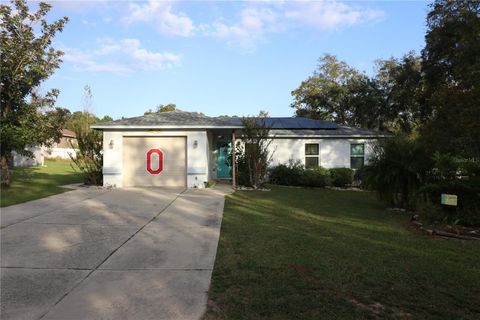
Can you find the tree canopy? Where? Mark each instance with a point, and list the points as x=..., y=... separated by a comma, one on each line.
x=340, y=93
x=27, y=115
x=162, y=108
x=434, y=96
x=451, y=66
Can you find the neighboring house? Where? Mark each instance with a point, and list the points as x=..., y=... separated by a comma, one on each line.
x=187, y=148
x=22, y=161
x=65, y=148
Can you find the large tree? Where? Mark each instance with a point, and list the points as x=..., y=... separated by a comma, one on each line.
x=322, y=95
x=27, y=117
x=401, y=84
x=388, y=100
x=451, y=64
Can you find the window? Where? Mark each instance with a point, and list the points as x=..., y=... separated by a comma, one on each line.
x=357, y=155
x=311, y=155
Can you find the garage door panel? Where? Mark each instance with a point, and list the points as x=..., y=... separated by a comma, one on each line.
x=135, y=171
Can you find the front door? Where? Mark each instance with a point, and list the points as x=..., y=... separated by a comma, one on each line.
x=223, y=168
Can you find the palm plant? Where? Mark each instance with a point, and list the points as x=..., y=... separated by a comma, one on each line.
x=397, y=170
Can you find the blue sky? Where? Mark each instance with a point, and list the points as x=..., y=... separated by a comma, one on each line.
x=219, y=57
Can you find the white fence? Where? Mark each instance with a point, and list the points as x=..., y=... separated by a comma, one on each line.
x=62, y=153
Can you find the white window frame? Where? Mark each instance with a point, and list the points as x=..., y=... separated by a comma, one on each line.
x=311, y=155
x=357, y=156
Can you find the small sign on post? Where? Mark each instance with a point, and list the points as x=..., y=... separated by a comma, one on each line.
x=449, y=199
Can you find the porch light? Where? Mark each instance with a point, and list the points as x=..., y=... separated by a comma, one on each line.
x=111, y=144
x=195, y=144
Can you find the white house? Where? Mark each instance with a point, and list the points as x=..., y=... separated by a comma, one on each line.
x=188, y=149
x=37, y=158
x=65, y=148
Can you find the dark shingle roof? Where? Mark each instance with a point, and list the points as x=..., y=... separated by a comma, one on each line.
x=169, y=119
x=341, y=131
x=287, y=127
x=290, y=123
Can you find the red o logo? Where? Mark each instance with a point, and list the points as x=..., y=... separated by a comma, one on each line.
x=149, y=161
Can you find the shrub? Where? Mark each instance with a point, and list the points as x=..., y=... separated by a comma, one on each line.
x=341, y=177
x=397, y=170
x=468, y=192
x=288, y=175
x=431, y=212
x=359, y=177
x=294, y=174
x=89, y=159
x=243, y=176
x=317, y=178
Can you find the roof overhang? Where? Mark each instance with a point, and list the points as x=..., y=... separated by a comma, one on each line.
x=319, y=136
x=129, y=127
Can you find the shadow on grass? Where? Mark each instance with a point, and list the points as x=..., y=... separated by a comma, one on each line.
x=318, y=250
x=38, y=182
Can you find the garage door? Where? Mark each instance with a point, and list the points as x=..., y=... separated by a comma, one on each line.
x=154, y=162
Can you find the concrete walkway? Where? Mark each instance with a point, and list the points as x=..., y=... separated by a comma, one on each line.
x=118, y=254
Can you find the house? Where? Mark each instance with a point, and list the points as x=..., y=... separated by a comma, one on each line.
x=188, y=149
x=65, y=148
x=37, y=158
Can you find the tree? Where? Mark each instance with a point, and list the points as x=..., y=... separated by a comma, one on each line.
x=388, y=101
x=402, y=87
x=322, y=96
x=27, y=117
x=451, y=64
x=163, y=108
x=89, y=156
x=84, y=119
x=254, y=151
x=79, y=119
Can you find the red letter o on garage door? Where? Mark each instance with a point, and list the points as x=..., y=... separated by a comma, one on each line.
x=149, y=161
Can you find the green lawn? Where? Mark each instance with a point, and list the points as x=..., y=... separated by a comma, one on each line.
x=39, y=182
x=323, y=254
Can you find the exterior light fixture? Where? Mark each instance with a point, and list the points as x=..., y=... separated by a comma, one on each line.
x=195, y=143
x=111, y=144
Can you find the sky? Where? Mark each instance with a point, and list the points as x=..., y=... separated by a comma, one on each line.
x=218, y=57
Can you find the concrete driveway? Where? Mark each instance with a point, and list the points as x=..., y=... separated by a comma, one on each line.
x=110, y=254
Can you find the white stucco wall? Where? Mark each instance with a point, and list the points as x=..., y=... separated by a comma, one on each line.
x=334, y=152
x=197, y=156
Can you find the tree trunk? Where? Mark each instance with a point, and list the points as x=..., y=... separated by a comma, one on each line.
x=5, y=180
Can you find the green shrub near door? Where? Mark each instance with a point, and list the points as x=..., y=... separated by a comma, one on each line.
x=341, y=177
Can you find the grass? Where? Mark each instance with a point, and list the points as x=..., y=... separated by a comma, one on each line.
x=39, y=182
x=324, y=254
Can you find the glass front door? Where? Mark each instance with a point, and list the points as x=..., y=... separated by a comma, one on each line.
x=223, y=167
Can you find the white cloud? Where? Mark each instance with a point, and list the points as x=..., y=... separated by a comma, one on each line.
x=255, y=20
x=328, y=15
x=258, y=19
x=251, y=28
x=163, y=17
x=122, y=56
